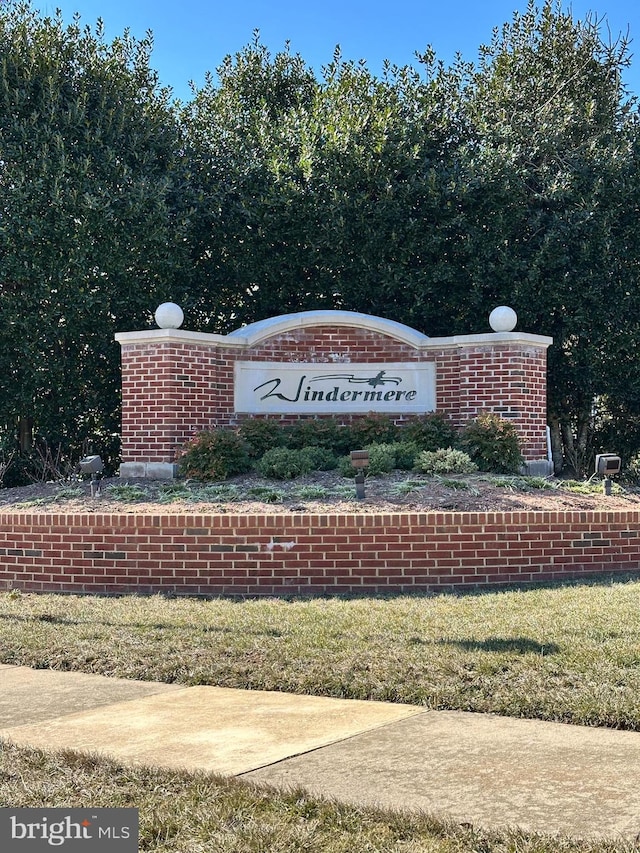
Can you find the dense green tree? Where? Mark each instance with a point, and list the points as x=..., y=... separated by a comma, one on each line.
x=433, y=196
x=547, y=193
x=89, y=220
x=429, y=196
x=329, y=192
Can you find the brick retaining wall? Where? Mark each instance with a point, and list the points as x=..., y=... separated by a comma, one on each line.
x=284, y=554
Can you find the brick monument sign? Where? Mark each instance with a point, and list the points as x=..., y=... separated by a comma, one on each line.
x=176, y=383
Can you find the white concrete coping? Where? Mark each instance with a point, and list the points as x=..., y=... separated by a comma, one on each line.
x=253, y=334
x=263, y=329
x=491, y=338
x=173, y=336
x=181, y=336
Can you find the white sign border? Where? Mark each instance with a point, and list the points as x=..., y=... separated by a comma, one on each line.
x=288, y=390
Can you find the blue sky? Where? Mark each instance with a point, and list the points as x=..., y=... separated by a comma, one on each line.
x=193, y=36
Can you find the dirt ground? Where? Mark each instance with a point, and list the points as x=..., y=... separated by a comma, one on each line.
x=322, y=492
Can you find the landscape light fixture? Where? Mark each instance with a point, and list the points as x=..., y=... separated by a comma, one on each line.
x=360, y=461
x=92, y=465
x=606, y=465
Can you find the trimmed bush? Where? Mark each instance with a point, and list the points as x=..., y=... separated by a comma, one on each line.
x=282, y=463
x=261, y=435
x=406, y=453
x=445, y=461
x=382, y=460
x=430, y=432
x=493, y=444
x=319, y=432
x=373, y=429
x=319, y=458
x=215, y=455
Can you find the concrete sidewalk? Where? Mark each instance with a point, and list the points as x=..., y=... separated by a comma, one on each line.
x=486, y=770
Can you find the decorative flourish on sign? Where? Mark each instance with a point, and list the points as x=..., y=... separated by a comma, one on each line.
x=374, y=381
x=276, y=384
x=379, y=379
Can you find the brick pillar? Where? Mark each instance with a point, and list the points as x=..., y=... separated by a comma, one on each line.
x=172, y=387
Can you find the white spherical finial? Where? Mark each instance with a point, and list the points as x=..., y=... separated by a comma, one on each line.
x=169, y=315
x=503, y=319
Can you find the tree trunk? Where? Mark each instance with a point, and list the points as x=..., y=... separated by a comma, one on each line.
x=25, y=434
x=556, y=445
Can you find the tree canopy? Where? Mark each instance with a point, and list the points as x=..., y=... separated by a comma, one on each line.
x=429, y=195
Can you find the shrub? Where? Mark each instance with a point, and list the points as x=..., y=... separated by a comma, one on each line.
x=430, y=432
x=445, y=461
x=319, y=432
x=382, y=460
x=319, y=458
x=282, y=463
x=215, y=455
x=261, y=435
x=493, y=444
x=373, y=429
x=632, y=474
x=406, y=453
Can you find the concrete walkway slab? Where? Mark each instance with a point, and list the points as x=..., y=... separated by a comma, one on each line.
x=34, y=695
x=491, y=771
x=213, y=729
x=486, y=770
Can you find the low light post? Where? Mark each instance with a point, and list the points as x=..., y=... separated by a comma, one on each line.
x=360, y=461
x=606, y=465
x=92, y=465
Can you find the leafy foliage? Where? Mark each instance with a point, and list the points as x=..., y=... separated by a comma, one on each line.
x=282, y=463
x=429, y=195
x=89, y=238
x=492, y=443
x=320, y=432
x=430, y=432
x=373, y=429
x=215, y=455
x=445, y=461
x=261, y=435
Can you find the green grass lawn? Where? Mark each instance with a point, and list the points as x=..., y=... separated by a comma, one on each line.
x=569, y=653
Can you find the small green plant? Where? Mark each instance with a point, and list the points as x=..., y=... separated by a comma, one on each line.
x=521, y=484
x=173, y=491
x=126, y=492
x=67, y=493
x=215, y=455
x=261, y=435
x=492, y=443
x=406, y=487
x=430, y=432
x=267, y=494
x=310, y=493
x=445, y=461
x=224, y=492
x=281, y=463
x=344, y=492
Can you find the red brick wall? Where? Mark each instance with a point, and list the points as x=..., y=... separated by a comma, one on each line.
x=295, y=554
x=171, y=390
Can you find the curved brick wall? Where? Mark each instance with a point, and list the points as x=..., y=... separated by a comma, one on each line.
x=297, y=554
x=176, y=383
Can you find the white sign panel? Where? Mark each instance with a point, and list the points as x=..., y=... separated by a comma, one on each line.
x=293, y=388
